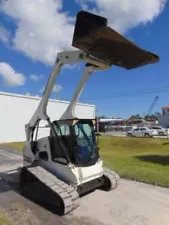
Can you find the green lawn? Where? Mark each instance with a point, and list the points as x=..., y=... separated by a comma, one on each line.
x=140, y=159
x=14, y=145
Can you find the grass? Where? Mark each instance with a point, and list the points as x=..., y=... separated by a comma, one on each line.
x=18, y=214
x=140, y=159
x=5, y=219
x=145, y=160
x=14, y=145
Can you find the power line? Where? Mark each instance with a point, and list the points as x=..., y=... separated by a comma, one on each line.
x=125, y=94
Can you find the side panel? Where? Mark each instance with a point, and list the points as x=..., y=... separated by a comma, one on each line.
x=28, y=156
x=61, y=171
x=85, y=174
x=76, y=176
x=42, y=145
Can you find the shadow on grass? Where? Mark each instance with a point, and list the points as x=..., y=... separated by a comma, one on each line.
x=166, y=143
x=158, y=159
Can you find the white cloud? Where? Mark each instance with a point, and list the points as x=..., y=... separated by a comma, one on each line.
x=37, y=96
x=36, y=77
x=4, y=34
x=42, y=90
x=10, y=76
x=56, y=88
x=28, y=94
x=43, y=28
x=126, y=14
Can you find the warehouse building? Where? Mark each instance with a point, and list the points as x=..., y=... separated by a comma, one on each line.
x=163, y=120
x=16, y=111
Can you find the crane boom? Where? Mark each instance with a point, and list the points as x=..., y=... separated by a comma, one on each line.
x=152, y=105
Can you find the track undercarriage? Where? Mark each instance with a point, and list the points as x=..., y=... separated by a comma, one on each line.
x=43, y=187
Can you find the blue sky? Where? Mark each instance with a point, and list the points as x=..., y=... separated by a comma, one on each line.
x=33, y=31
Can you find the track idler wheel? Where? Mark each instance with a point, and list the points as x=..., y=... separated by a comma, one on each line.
x=111, y=180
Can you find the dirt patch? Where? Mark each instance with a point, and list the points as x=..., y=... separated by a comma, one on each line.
x=17, y=210
x=17, y=215
x=22, y=211
x=5, y=219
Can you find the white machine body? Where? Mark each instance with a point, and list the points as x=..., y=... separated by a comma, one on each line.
x=68, y=173
x=71, y=152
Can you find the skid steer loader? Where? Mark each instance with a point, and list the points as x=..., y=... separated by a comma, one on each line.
x=64, y=166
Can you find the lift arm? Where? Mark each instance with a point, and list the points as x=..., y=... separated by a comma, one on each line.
x=40, y=113
x=62, y=59
x=70, y=111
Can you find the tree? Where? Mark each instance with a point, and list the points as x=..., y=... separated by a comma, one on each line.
x=152, y=116
x=136, y=117
x=103, y=117
x=157, y=114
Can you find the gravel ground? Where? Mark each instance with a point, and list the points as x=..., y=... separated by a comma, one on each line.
x=132, y=203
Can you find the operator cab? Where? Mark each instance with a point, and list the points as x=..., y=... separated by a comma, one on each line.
x=74, y=141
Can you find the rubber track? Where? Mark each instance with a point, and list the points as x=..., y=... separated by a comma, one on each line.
x=113, y=177
x=67, y=193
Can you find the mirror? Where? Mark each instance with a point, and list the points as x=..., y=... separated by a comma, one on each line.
x=43, y=155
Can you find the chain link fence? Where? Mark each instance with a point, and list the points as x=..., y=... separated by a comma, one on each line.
x=117, y=131
x=122, y=131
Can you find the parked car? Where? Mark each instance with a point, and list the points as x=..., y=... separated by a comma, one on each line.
x=161, y=131
x=142, y=132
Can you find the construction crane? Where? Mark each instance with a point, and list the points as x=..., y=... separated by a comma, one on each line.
x=151, y=107
x=132, y=117
x=62, y=167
